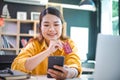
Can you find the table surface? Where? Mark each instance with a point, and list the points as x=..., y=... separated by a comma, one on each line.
x=44, y=77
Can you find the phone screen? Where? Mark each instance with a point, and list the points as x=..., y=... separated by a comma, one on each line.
x=55, y=60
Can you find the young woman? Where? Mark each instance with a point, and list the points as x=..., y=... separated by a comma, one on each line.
x=33, y=58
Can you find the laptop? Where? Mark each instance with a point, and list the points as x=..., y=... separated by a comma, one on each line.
x=107, y=65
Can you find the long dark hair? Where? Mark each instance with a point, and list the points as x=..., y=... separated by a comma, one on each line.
x=56, y=12
x=53, y=11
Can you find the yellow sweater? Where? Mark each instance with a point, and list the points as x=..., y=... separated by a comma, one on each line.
x=35, y=47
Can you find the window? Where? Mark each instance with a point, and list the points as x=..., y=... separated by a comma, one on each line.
x=115, y=17
x=81, y=40
x=109, y=17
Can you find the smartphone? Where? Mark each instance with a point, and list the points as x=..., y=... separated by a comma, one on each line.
x=55, y=60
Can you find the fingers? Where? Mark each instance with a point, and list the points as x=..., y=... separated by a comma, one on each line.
x=59, y=68
x=57, y=74
x=57, y=44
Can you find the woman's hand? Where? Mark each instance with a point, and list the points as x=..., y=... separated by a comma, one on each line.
x=54, y=45
x=58, y=75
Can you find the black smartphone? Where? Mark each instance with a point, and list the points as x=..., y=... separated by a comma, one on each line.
x=55, y=60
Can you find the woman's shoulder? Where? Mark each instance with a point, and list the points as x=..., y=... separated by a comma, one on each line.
x=33, y=41
x=69, y=40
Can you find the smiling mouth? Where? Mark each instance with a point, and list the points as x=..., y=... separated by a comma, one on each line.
x=52, y=35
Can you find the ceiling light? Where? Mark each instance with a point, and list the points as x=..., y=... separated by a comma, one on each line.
x=87, y=5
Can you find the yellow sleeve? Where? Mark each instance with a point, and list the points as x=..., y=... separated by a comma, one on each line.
x=72, y=59
x=19, y=61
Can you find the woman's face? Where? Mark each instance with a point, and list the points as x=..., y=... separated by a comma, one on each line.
x=51, y=27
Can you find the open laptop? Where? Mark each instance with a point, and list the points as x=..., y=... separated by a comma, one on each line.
x=107, y=65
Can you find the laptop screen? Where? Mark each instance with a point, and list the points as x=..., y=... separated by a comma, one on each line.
x=107, y=65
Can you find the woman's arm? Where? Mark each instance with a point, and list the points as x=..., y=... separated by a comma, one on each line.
x=32, y=62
